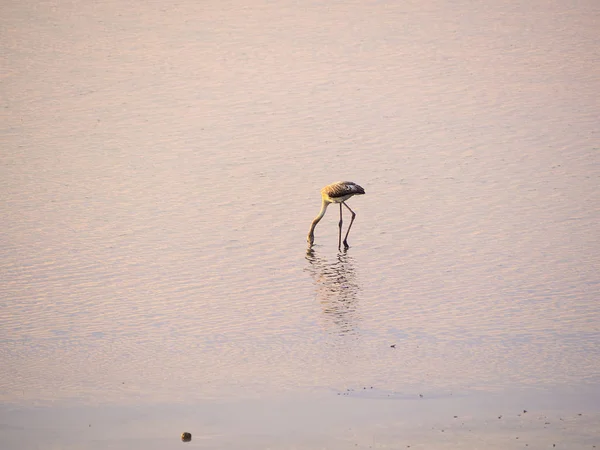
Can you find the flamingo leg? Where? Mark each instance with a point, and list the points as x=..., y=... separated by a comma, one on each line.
x=349, y=226
x=340, y=224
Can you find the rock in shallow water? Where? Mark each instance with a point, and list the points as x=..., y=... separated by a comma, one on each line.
x=186, y=437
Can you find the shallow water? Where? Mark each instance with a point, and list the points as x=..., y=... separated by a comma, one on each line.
x=161, y=164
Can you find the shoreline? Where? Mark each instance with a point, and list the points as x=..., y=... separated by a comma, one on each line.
x=515, y=419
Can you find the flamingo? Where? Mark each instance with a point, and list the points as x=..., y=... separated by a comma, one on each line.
x=337, y=192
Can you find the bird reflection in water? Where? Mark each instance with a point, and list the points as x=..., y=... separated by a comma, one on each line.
x=337, y=290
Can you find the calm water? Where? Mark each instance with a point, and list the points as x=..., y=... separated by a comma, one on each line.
x=160, y=167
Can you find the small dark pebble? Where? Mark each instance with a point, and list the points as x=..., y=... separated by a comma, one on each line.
x=421, y=395
x=546, y=423
x=524, y=411
x=393, y=346
x=579, y=414
x=499, y=417
x=186, y=437
x=455, y=417
x=553, y=445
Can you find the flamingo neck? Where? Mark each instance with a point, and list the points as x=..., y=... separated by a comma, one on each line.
x=317, y=219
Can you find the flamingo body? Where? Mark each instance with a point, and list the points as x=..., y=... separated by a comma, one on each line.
x=337, y=192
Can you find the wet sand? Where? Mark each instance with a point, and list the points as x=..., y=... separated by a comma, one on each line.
x=354, y=418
